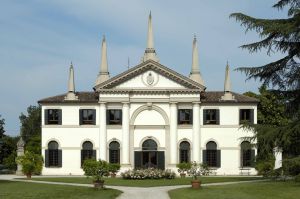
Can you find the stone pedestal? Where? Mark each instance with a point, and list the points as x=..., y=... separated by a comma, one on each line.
x=20, y=152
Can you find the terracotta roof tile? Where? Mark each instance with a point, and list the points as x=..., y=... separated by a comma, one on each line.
x=215, y=96
x=83, y=97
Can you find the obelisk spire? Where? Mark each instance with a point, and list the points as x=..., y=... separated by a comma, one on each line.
x=195, y=72
x=71, y=85
x=103, y=74
x=150, y=51
x=227, y=85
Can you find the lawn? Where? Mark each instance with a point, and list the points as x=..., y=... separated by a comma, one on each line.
x=23, y=190
x=146, y=183
x=257, y=190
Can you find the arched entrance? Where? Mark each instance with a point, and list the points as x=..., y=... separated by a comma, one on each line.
x=149, y=157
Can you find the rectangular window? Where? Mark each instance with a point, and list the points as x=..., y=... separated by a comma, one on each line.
x=211, y=116
x=246, y=116
x=211, y=158
x=246, y=158
x=185, y=116
x=53, y=116
x=53, y=158
x=114, y=117
x=87, y=116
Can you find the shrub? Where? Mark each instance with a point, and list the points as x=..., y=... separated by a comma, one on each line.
x=31, y=163
x=291, y=166
x=183, y=167
x=95, y=169
x=113, y=167
x=265, y=167
x=151, y=173
x=198, y=169
x=297, y=178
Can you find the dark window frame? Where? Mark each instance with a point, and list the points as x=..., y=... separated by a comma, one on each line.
x=211, y=117
x=184, y=152
x=246, y=116
x=112, y=119
x=53, y=154
x=246, y=154
x=87, y=116
x=185, y=116
x=211, y=154
x=53, y=117
x=114, y=152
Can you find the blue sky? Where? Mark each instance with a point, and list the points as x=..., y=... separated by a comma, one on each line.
x=39, y=39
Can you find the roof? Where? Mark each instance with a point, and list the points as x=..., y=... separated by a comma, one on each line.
x=215, y=97
x=147, y=65
x=206, y=97
x=83, y=97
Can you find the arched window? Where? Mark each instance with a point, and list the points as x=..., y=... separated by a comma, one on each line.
x=149, y=145
x=53, y=156
x=247, y=154
x=87, y=151
x=212, y=156
x=114, y=152
x=184, y=152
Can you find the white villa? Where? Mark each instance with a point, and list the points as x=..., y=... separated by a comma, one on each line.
x=148, y=116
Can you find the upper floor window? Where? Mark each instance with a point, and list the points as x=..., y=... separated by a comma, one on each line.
x=53, y=116
x=114, y=116
x=87, y=116
x=246, y=115
x=185, y=116
x=211, y=116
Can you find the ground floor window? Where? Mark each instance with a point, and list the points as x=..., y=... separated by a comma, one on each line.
x=184, y=152
x=212, y=156
x=87, y=152
x=247, y=155
x=114, y=152
x=53, y=156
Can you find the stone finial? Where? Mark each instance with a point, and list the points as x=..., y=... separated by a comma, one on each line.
x=195, y=71
x=150, y=51
x=227, y=85
x=103, y=74
x=71, y=85
x=20, y=143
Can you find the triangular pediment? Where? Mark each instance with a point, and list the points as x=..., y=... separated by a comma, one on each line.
x=149, y=75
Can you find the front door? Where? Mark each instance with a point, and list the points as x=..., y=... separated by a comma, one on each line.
x=149, y=159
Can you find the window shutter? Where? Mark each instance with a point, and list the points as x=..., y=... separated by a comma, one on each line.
x=46, y=158
x=59, y=158
x=94, y=154
x=59, y=116
x=81, y=157
x=161, y=160
x=94, y=116
x=137, y=159
x=46, y=116
x=252, y=116
x=241, y=158
x=240, y=115
x=252, y=158
x=191, y=112
x=204, y=157
x=219, y=158
x=121, y=118
x=80, y=116
x=178, y=116
x=204, y=116
x=107, y=116
x=218, y=116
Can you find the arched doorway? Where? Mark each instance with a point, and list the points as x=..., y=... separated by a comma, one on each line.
x=149, y=157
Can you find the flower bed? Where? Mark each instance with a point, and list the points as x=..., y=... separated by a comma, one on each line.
x=151, y=173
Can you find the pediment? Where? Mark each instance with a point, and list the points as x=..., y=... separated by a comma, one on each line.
x=149, y=75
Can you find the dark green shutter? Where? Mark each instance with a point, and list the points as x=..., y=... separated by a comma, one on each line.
x=59, y=158
x=240, y=119
x=121, y=118
x=94, y=154
x=59, y=116
x=218, y=116
x=204, y=157
x=81, y=157
x=80, y=116
x=137, y=159
x=178, y=116
x=46, y=116
x=252, y=158
x=251, y=116
x=218, y=158
x=46, y=158
x=161, y=160
x=107, y=116
x=204, y=116
x=94, y=116
x=191, y=116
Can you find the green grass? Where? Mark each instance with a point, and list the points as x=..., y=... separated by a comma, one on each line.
x=257, y=190
x=146, y=183
x=23, y=190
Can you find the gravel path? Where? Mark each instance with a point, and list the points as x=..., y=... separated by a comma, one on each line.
x=129, y=192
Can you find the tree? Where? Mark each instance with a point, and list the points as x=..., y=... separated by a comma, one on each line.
x=31, y=129
x=283, y=36
x=31, y=163
x=2, y=123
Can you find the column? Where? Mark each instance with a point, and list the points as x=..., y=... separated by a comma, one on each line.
x=125, y=134
x=196, y=133
x=173, y=134
x=102, y=127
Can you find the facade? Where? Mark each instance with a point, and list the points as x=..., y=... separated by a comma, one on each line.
x=148, y=116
